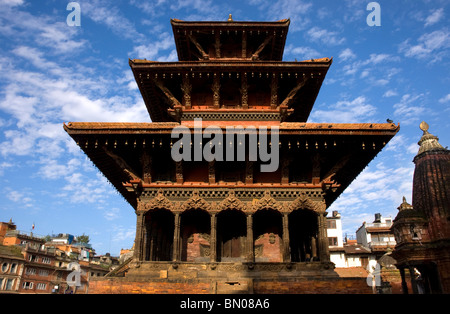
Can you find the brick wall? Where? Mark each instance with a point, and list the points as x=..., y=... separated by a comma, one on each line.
x=123, y=286
x=331, y=286
x=296, y=286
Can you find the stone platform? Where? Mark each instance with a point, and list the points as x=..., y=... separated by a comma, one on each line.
x=232, y=278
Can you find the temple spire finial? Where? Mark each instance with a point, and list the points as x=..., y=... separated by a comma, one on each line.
x=230, y=18
x=428, y=141
x=424, y=127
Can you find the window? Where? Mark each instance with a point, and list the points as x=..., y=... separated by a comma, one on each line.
x=332, y=241
x=31, y=271
x=41, y=286
x=33, y=258
x=9, y=284
x=46, y=260
x=331, y=224
x=43, y=272
x=4, y=267
x=27, y=285
x=13, y=268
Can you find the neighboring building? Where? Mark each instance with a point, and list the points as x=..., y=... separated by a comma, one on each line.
x=31, y=265
x=422, y=230
x=376, y=236
x=39, y=268
x=334, y=230
x=5, y=227
x=346, y=253
x=68, y=243
x=12, y=264
x=209, y=220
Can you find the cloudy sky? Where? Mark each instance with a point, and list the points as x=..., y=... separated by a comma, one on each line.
x=51, y=73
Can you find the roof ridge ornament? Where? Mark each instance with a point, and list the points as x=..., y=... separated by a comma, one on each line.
x=230, y=18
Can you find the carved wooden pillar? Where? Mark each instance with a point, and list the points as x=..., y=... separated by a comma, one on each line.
x=217, y=44
x=211, y=172
x=250, y=241
x=244, y=44
x=314, y=248
x=139, y=248
x=249, y=172
x=213, y=239
x=286, y=244
x=146, y=160
x=274, y=92
x=216, y=91
x=179, y=172
x=324, y=253
x=285, y=170
x=176, y=238
x=244, y=91
x=316, y=169
x=186, y=87
x=404, y=284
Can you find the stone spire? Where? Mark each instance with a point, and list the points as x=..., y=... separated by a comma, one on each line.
x=428, y=141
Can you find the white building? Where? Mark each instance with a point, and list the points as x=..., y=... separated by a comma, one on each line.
x=377, y=236
x=348, y=253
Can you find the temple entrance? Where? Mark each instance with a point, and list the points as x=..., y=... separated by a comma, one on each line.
x=195, y=229
x=268, y=233
x=231, y=235
x=159, y=227
x=303, y=232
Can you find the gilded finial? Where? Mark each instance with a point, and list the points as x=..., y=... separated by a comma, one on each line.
x=230, y=18
x=424, y=127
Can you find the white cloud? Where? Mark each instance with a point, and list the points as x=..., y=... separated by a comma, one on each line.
x=390, y=93
x=299, y=11
x=347, y=54
x=374, y=61
x=153, y=50
x=430, y=46
x=355, y=111
x=407, y=110
x=318, y=34
x=104, y=13
x=302, y=53
x=11, y=2
x=122, y=234
x=445, y=99
x=434, y=17
x=22, y=198
x=112, y=213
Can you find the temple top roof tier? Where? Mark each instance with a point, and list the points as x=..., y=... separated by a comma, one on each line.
x=210, y=40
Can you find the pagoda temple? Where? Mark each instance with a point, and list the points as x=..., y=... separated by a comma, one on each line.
x=227, y=224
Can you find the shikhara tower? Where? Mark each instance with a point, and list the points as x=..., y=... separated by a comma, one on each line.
x=223, y=226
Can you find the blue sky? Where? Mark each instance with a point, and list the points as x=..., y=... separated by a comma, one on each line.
x=52, y=73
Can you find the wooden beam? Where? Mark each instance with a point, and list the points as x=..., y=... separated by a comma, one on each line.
x=122, y=164
x=170, y=97
x=255, y=56
x=293, y=92
x=205, y=56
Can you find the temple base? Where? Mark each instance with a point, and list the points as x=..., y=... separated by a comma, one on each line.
x=230, y=278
